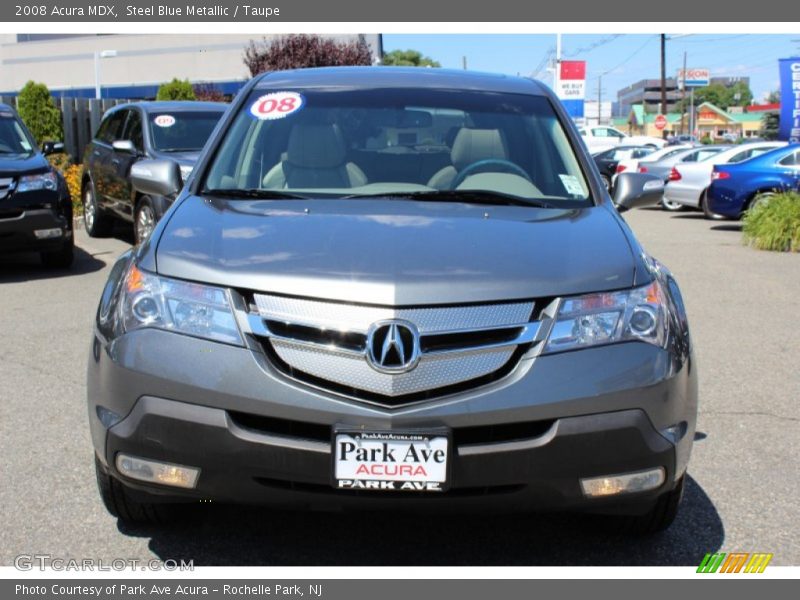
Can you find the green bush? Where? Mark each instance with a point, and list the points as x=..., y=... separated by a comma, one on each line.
x=774, y=224
x=37, y=109
x=176, y=90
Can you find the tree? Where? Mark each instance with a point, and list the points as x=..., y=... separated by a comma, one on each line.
x=39, y=112
x=176, y=90
x=408, y=58
x=303, y=51
x=770, y=123
x=207, y=92
x=739, y=94
x=774, y=97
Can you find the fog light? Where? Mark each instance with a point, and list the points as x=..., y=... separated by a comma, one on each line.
x=45, y=234
x=157, y=472
x=623, y=483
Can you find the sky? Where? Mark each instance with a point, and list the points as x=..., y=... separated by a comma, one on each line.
x=617, y=60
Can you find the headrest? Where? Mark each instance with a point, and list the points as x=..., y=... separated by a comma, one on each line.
x=472, y=145
x=316, y=147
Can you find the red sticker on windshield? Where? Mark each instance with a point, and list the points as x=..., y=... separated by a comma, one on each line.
x=277, y=105
x=164, y=120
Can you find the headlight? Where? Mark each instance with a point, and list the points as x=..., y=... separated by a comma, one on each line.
x=43, y=181
x=638, y=314
x=190, y=308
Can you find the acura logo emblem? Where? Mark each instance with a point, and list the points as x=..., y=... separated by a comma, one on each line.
x=393, y=346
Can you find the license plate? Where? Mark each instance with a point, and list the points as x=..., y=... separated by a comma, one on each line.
x=390, y=461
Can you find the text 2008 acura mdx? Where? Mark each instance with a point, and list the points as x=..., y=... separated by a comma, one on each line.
x=393, y=288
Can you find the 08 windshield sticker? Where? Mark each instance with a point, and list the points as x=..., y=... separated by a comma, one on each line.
x=277, y=105
x=164, y=120
x=572, y=185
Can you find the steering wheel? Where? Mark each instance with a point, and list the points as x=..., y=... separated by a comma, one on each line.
x=505, y=166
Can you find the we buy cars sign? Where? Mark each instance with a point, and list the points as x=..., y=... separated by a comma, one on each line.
x=571, y=86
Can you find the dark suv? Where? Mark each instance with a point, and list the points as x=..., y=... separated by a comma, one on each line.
x=35, y=205
x=128, y=133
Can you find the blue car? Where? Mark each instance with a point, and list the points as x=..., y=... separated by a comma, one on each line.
x=735, y=188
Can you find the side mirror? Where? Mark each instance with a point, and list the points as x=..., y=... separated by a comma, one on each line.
x=50, y=147
x=633, y=190
x=159, y=177
x=124, y=146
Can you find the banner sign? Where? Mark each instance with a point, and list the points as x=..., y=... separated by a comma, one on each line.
x=571, y=88
x=693, y=78
x=790, y=100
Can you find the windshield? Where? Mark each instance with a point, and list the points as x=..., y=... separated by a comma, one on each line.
x=182, y=131
x=13, y=139
x=401, y=142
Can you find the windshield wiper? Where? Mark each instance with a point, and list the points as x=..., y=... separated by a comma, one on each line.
x=254, y=194
x=465, y=196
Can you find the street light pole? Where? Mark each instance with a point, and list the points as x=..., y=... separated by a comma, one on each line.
x=664, y=77
x=98, y=54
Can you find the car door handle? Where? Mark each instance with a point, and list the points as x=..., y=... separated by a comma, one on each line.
x=96, y=152
x=115, y=161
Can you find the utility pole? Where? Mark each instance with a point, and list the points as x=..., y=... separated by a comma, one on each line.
x=664, y=78
x=683, y=95
x=600, y=100
x=557, y=72
x=464, y=62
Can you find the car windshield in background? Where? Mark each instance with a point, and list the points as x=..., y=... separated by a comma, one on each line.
x=185, y=131
x=423, y=143
x=13, y=140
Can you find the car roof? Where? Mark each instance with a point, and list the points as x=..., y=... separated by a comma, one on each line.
x=398, y=77
x=174, y=106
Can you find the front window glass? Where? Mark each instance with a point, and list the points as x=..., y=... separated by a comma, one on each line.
x=185, y=131
x=329, y=143
x=13, y=140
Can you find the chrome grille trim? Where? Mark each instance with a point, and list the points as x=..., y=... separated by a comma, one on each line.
x=348, y=367
x=358, y=318
x=6, y=186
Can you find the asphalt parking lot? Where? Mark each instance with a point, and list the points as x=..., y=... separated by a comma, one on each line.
x=743, y=487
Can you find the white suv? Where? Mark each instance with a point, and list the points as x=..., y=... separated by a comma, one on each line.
x=602, y=138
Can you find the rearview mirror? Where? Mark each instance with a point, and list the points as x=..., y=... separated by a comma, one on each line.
x=124, y=146
x=50, y=147
x=633, y=190
x=160, y=177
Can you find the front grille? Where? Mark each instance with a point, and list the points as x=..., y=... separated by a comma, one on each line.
x=326, y=344
x=6, y=186
x=462, y=436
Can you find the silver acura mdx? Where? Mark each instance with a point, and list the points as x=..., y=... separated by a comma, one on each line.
x=393, y=288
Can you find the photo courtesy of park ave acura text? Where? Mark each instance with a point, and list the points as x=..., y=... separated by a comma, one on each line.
x=364, y=296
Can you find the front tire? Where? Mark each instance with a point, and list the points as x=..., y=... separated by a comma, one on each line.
x=661, y=516
x=145, y=219
x=760, y=200
x=61, y=258
x=120, y=504
x=97, y=224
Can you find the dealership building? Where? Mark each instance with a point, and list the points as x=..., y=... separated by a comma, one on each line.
x=131, y=66
x=647, y=92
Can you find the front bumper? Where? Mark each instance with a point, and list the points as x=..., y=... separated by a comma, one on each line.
x=258, y=437
x=18, y=230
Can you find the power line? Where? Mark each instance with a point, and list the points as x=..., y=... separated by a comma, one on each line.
x=627, y=60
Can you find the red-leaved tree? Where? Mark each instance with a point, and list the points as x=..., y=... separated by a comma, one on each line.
x=302, y=51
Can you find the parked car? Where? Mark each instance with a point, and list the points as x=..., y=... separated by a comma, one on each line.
x=688, y=182
x=662, y=168
x=682, y=139
x=127, y=134
x=608, y=161
x=603, y=137
x=631, y=165
x=35, y=205
x=736, y=188
x=340, y=327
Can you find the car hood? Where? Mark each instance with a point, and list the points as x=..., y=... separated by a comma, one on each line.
x=395, y=252
x=16, y=165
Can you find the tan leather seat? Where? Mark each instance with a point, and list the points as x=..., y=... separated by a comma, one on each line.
x=316, y=157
